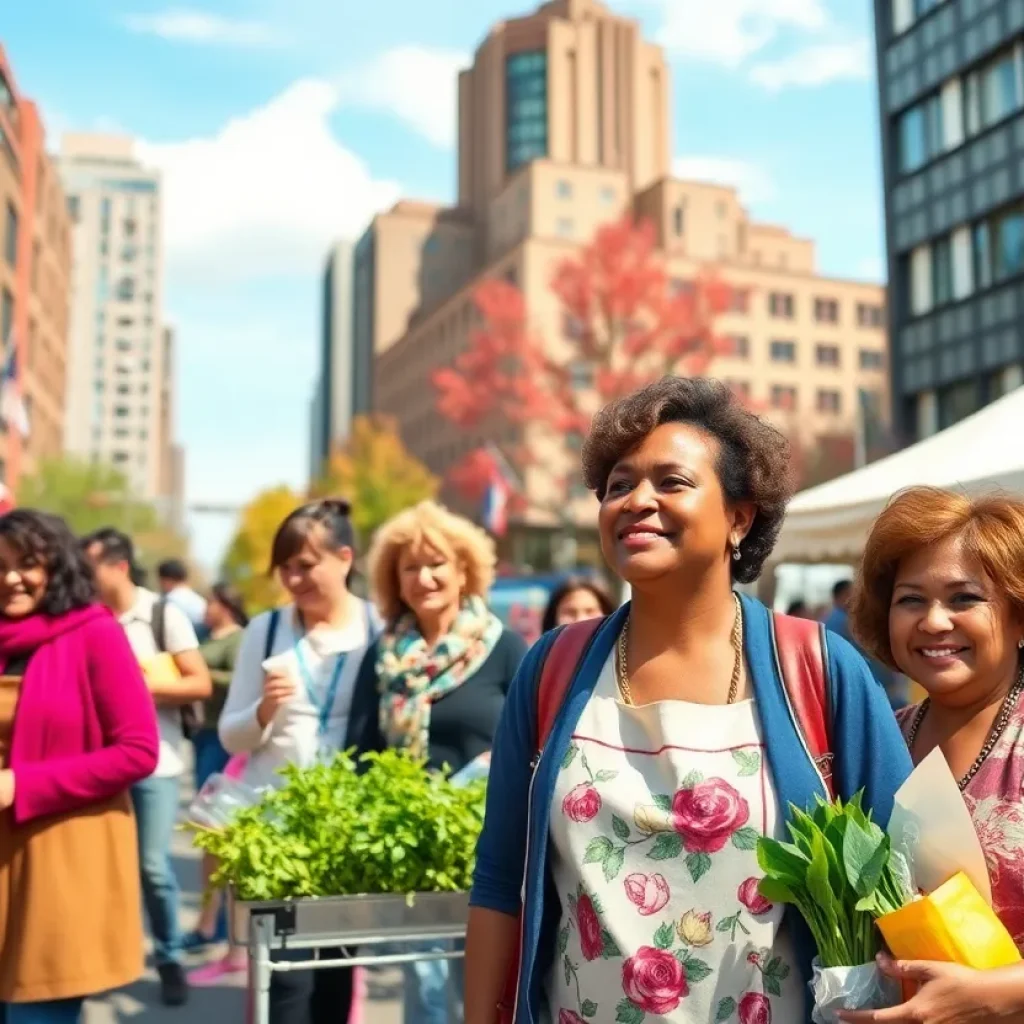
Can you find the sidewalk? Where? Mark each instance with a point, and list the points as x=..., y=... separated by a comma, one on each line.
x=223, y=1004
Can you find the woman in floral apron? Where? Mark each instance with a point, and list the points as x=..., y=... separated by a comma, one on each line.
x=940, y=597
x=631, y=849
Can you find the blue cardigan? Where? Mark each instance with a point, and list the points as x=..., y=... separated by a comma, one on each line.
x=512, y=869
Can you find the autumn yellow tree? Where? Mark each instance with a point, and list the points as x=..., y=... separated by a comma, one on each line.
x=248, y=556
x=375, y=471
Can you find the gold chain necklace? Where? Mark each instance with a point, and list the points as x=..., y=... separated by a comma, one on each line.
x=1006, y=711
x=736, y=639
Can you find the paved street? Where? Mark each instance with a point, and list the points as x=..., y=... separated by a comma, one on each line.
x=223, y=1004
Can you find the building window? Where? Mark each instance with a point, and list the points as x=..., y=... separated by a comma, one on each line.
x=526, y=114
x=11, y=235
x=783, y=396
x=739, y=300
x=826, y=355
x=74, y=208
x=872, y=359
x=126, y=289
x=982, y=245
x=741, y=388
x=829, y=401
x=678, y=220
x=826, y=311
x=6, y=317
x=921, y=280
x=739, y=346
x=1000, y=91
x=565, y=227
x=869, y=315
x=1009, y=249
x=919, y=132
x=957, y=402
x=780, y=305
x=607, y=195
x=563, y=189
x=783, y=351
x=942, y=272
x=104, y=215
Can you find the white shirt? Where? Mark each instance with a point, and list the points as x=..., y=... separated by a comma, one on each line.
x=654, y=828
x=191, y=603
x=179, y=636
x=293, y=736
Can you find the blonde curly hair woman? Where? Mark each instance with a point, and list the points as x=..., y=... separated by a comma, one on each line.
x=443, y=665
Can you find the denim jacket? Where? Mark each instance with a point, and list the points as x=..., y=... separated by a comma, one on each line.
x=513, y=869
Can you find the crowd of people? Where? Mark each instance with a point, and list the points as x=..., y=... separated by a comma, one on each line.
x=630, y=775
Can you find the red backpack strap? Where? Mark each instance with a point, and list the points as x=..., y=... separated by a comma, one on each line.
x=556, y=674
x=800, y=646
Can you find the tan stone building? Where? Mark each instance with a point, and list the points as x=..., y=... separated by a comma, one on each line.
x=564, y=125
x=34, y=279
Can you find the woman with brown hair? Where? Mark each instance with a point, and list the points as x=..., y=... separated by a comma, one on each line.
x=617, y=866
x=576, y=599
x=294, y=698
x=940, y=597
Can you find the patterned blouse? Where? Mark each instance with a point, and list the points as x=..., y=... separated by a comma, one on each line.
x=994, y=798
x=654, y=826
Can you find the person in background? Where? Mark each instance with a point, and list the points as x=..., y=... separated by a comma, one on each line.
x=157, y=630
x=225, y=621
x=798, y=609
x=307, y=704
x=838, y=620
x=940, y=596
x=442, y=666
x=576, y=599
x=172, y=577
x=77, y=729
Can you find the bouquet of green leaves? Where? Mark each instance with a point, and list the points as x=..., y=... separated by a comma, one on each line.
x=841, y=873
x=383, y=825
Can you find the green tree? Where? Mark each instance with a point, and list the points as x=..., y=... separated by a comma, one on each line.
x=376, y=473
x=91, y=495
x=248, y=555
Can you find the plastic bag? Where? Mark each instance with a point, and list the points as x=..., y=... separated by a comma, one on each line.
x=478, y=768
x=220, y=799
x=850, y=988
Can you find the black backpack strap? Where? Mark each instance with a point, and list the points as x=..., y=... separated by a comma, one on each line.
x=158, y=624
x=268, y=644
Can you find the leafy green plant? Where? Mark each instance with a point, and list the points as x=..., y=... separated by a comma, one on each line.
x=840, y=873
x=383, y=824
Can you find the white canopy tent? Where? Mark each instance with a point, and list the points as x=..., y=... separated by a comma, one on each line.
x=984, y=452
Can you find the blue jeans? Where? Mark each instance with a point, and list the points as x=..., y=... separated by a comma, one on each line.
x=433, y=988
x=156, y=809
x=61, y=1011
x=211, y=757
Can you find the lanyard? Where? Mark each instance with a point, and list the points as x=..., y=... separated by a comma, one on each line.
x=323, y=710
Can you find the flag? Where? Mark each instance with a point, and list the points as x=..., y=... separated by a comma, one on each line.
x=501, y=484
x=13, y=411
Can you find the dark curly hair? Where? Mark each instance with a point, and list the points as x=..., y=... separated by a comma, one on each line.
x=753, y=464
x=49, y=540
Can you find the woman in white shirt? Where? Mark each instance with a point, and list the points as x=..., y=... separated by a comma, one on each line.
x=293, y=697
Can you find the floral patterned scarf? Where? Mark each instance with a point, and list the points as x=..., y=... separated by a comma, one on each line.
x=411, y=675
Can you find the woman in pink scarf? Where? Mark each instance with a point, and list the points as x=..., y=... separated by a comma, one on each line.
x=77, y=728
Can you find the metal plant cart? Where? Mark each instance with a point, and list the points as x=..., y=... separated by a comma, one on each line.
x=373, y=925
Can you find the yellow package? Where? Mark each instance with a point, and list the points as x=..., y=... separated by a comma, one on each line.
x=160, y=669
x=953, y=925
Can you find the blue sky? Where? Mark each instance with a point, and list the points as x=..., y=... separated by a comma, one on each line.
x=280, y=125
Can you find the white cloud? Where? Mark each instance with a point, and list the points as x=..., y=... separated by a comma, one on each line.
x=754, y=183
x=189, y=26
x=730, y=31
x=267, y=194
x=815, y=65
x=419, y=86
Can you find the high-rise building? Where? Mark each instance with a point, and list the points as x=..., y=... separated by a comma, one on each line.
x=34, y=280
x=951, y=95
x=336, y=398
x=171, y=483
x=118, y=367
x=565, y=126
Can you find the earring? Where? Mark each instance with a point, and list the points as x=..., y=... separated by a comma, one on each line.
x=1020, y=643
x=737, y=555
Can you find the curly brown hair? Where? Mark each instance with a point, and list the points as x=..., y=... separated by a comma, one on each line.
x=753, y=461
x=991, y=529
